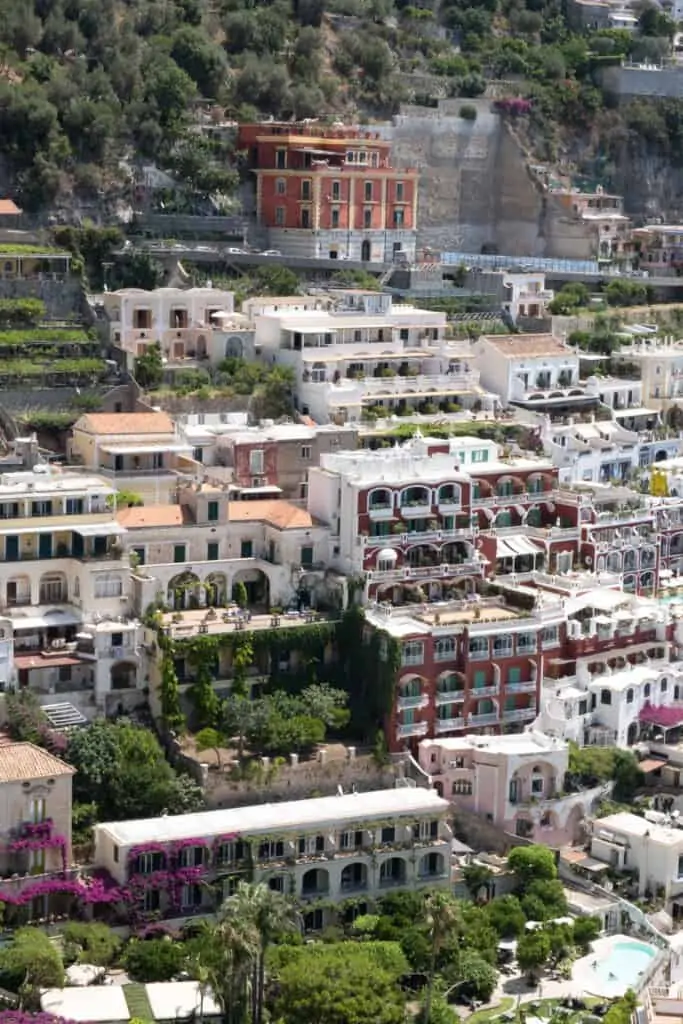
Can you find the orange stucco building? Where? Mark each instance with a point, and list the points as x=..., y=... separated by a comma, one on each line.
x=331, y=192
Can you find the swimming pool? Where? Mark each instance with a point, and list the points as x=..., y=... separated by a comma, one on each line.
x=615, y=965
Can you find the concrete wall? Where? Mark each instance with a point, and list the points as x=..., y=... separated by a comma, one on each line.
x=300, y=781
x=475, y=188
x=626, y=82
x=63, y=299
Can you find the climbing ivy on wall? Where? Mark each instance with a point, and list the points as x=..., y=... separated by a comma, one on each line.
x=369, y=661
x=366, y=667
x=170, y=695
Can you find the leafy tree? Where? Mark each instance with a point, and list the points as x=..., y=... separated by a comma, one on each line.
x=531, y=863
x=138, y=270
x=90, y=943
x=148, y=368
x=442, y=918
x=121, y=768
x=533, y=952
x=150, y=960
x=506, y=916
x=477, y=976
x=239, y=594
x=210, y=739
x=201, y=59
x=344, y=983
x=654, y=22
x=626, y=293
x=586, y=930
x=591, y=766
x=569, y=298
x=128, y=499
x=626, y=774
x=476, y=877
x=30, y=962
x=544, y=899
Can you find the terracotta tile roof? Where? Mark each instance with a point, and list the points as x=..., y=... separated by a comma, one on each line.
x=280, y=514
x=126, y=423
x=514, y=346
x=24, y=761
x=29, y=661
x=147, y=516
x=8, y=208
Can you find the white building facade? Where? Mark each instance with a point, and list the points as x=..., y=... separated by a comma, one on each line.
x=371, y=356
x=330, y=848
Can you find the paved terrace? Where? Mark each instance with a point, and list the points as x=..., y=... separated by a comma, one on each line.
x=232, y=620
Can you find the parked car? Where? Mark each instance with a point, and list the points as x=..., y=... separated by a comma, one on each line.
x=234, y=251
x=271, y=252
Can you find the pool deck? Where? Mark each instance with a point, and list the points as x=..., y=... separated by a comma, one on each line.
x=585, y=976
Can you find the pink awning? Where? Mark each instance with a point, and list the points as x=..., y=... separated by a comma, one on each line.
x=665, y=718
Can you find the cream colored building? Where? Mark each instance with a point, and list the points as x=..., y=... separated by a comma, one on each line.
x=329, y=848
x=189, y=324
x=660, y=365
x=35, y=802
x=66, y=632
x=192, y=554
x=140, y=452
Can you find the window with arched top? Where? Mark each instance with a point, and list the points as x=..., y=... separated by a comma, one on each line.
x=380, y=500
x=646, y=690
x=629, y=696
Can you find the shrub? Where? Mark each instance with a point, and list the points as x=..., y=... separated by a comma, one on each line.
x=153, y=959
x=90, y=943
x=468, y=112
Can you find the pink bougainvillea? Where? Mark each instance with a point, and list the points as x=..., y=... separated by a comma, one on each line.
x=515, y=106
x=21, y=1017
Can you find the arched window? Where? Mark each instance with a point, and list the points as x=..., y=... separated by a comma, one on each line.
x=629, y=696
x=646, y=690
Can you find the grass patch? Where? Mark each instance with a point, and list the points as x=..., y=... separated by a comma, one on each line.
x=53, y=336
x=137, y=1001
x=22, y=369
x=31, y=250
x=483, y=1016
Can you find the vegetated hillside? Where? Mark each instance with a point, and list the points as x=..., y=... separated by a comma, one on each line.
x=85, y=84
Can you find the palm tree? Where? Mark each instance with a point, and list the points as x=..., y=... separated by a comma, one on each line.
x=267, y=913
x=234, y=947
x=442, y=915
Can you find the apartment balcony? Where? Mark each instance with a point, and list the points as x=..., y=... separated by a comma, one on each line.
x=527, y=687
x=491, y=718
x=405, y=703
x=423, y=385
x=411, y=729
x=409, y=574
x=518, y=498
x=380, y=512
x=449, y=697
x=399, y=540
x=416, y=508
x=485, y=691
x=519, y=714
x=449, y=724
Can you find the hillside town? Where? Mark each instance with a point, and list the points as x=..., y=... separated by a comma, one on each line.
x=341, y=629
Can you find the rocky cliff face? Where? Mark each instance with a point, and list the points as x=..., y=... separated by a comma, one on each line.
x=652, y=186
